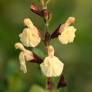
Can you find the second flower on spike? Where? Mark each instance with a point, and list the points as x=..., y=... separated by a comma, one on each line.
x=30, y=36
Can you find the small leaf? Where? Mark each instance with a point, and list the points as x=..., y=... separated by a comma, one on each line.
x=39, y=52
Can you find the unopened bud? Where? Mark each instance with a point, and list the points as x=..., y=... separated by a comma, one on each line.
x=55, y=33
x=35, y=9
x=46, y=14
x=62, y=82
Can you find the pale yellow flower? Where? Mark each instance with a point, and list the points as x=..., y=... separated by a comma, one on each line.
x=67, y=32
x=68, y=35
x=25, y=55
x=30, y=36
x=51, y=66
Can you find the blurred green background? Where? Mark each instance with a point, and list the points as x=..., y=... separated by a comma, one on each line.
x=77, y=57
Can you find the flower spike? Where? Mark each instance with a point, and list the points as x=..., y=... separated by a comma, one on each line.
x=51, y=66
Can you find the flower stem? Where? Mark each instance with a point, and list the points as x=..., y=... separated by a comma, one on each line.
x=46, y=20
x=50, y=84
x=42, y=2
x=46, y=17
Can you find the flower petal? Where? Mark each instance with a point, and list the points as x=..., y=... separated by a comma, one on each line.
x=22, y=62
x=52, y=66
x=30, y=37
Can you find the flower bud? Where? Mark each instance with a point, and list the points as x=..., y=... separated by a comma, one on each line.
x=55, y=33
x=62, y=82
x=36, y=10
x=46, y=14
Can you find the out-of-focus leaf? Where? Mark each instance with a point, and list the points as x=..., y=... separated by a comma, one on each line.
x=63, y=89
x=11, y=68
x=36, y=88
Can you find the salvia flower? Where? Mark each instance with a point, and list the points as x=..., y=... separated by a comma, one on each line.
x=67, y=32
x=30, y=36
x=51, y=66
x=25, y=55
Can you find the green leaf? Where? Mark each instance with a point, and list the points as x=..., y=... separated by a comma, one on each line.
x=39, y=52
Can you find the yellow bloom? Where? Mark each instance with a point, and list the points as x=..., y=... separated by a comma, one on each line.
x=25, y=55
x=67, y=32
x=30, y=36
x=68, y=35
x=51, y=66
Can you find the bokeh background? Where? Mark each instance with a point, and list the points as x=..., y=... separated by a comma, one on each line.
x=77, y=56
